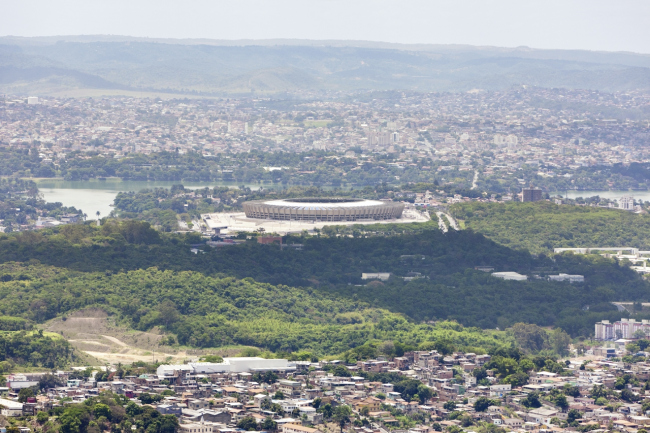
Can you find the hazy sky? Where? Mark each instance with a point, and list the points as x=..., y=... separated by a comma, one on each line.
x=616, y=25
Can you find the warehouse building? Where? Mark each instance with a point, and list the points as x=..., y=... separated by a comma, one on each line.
x=229, y=365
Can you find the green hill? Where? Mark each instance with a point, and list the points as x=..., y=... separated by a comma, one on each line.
x=34, y=349
x=309, y=299
x=542, y=226
x=271, y=67
x=207, y=311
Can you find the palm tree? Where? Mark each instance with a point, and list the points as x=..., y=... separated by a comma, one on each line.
x=85, y=217
x=98, y=213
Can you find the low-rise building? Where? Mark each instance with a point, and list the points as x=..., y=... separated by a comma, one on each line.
x=513, y=276
x=567, y=277
x=200, y=427
x=383, y=276
x=10, y=408
x=500, y=390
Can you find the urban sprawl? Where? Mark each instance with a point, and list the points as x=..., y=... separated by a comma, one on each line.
x=490, y=141
x=419, y=392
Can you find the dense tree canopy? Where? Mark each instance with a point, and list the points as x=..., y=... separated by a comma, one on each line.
x=540, y=227
x=33, y=349
x=251, y=292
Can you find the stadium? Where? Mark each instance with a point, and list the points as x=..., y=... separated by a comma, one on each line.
x=323, y=209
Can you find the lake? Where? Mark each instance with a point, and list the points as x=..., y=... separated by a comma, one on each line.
x=638, y=195
x=97, y=195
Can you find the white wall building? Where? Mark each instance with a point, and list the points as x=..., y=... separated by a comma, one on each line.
x=626, y=203
x=229, y=365
x=500, y=390
x=20, y=381
x=384, y=276
x=297, y=428
x=624, y=328
x=513, y=276
x=11, y=408
x=567, y=277
x=507, y=140
x=200, y=427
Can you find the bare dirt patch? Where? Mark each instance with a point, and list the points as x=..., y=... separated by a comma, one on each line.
x=115, y=340
x=95, y=333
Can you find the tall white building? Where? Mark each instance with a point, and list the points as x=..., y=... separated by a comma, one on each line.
x=512, y=141
x=381, y=138
x=32, y=100
x=604, y=330
x=506, y=140
x=624, y=328
x=626, y=203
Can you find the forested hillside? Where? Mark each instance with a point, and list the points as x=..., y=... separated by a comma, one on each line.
x=541, y=226
x=209, y=311
x=20, y=202
x=307, y=291
x=33, y=349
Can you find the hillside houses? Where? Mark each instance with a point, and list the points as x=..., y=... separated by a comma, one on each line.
x=299, y=397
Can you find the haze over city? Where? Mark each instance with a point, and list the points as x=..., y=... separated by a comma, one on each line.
x=580, y=24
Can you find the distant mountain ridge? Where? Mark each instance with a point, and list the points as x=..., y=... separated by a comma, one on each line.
x=214, y=67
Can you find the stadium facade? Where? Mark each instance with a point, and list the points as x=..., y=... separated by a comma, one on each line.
x=323, y=209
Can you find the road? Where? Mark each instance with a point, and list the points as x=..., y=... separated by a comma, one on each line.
x=115, y=340
x=623, y=306
x=441, y=223
x=452, y=221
